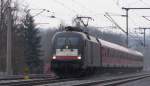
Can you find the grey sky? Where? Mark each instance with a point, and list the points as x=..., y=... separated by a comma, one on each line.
x=65, y=10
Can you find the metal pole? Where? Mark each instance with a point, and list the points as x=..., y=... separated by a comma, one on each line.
x=8, y=59
x=127, y=27
x=144, y=37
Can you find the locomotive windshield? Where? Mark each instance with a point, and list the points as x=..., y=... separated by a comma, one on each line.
x=67, y=45
x=67, y=42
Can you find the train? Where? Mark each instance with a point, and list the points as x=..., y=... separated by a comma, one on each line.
x=75, y=51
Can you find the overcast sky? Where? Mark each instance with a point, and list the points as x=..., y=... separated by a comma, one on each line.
x=65, y=10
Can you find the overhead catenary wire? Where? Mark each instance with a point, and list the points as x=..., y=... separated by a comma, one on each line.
x=137, y=36
x=81, y=5
x=69, y=8
x=112, y=20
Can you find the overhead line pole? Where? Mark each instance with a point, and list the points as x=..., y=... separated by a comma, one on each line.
x=127, y=20
x=113, y=21
x=127, y=27
x=9, y=41
x=144, y=35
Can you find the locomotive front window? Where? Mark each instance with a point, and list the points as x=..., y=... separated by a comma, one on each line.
x=67, y=42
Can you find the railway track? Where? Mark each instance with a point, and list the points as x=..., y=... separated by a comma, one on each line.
x=107, y=81
x=114, y=81
x=31, y=82
x=18, y=79
x=31, y=76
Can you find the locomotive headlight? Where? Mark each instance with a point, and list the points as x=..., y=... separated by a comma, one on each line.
x=79, y=57
x=54, y=57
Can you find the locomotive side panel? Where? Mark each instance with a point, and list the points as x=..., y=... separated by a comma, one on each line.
x=96, y=54
x=92, y=53
x=87, y=54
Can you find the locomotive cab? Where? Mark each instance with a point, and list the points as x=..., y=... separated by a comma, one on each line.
x=67, y=51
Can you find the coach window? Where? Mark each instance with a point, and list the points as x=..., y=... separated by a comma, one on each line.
x=140, y=59
x=131, y=56
x=105, y=51
x=137, y=59
x=134, y=57
x=117, y=54
x=126, y=56
x=123, y=55
x=114, y=53
x=120, y=54
x=109, y=52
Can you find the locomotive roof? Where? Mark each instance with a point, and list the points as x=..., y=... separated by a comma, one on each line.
x=111, y=45
x=119, y=47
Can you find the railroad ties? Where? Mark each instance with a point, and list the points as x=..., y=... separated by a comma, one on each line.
x=102, y=81
x=48, y=80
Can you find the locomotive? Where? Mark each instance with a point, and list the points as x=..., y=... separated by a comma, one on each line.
x=75, y=51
